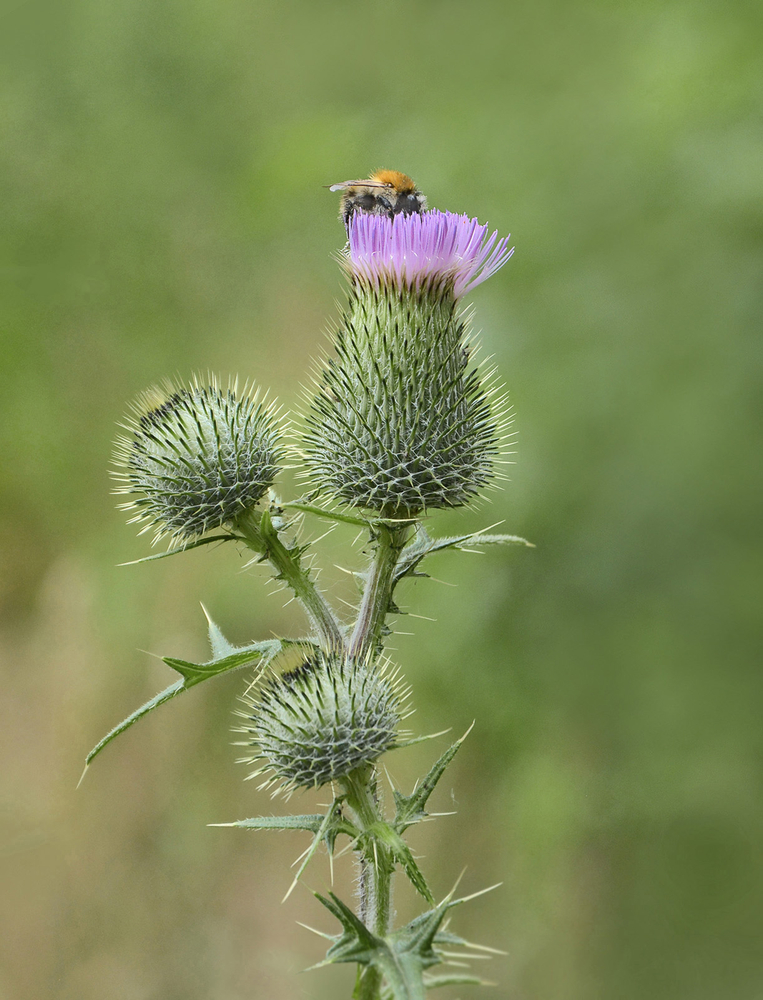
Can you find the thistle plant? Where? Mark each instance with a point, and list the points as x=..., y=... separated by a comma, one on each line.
x=402, y=422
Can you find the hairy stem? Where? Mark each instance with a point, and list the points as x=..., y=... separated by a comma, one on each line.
x=369, y=628
x=261, y=537
x=376, y=870
x=376, y=864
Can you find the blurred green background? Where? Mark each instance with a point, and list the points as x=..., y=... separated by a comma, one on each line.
x=162, y=212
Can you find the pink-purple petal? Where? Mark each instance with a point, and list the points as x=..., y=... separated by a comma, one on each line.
x=409, y=250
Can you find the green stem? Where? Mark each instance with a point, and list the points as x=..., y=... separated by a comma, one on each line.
x=375, y=605
x=369, y=985
x=261, y=537
x=376, y=863
x=377, y=868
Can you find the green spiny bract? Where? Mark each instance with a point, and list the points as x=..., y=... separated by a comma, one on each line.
x=322, y=720
x=197, y=457
x=401, y=422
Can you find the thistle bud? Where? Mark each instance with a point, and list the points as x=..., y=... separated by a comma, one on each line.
x=196, y=457
x=322, y=720
x=402, y=420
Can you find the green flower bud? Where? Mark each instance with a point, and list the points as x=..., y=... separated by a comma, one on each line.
x=196, y=457
x=402, y=421
x=322, y=720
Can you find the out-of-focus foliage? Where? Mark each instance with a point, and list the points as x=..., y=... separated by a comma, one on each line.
x=162, y=212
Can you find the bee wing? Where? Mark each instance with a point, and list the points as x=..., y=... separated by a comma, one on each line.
x=351, y=184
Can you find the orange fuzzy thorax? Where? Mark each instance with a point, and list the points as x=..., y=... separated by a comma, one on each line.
x=402, y=183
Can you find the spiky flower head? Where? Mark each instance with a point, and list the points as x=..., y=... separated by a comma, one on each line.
x=196, y=457
x=320, y=721
x=402, y=420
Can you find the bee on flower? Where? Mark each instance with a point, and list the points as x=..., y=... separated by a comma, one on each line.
x=386, y=192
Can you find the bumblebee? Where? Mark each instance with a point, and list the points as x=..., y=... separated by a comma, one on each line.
x=386, y=192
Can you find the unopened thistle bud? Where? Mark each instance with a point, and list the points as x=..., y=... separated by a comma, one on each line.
x=402, y=420
x=322, y=720
x=196, y=457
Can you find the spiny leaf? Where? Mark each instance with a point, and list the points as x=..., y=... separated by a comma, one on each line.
x=423, y=932
x=340, y=825
x=192, y=674
x=331, y=825
x=181, y=548
x=387, y=835
x=220, y=645
x=311, y=823
x=159, y=699
x=433, y=982
x=270, y=532
x=324, y=827
x=424, y=545
x=356, y=943
x=403, y=973
x=447, y=937
x=410, y=808
x=351, y=923
x=418, y=936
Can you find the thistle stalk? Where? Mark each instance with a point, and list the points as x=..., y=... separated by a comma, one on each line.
x=376, y=871
x=374, y=861
x=402, y=424
x=368, y=634
x=256, y=530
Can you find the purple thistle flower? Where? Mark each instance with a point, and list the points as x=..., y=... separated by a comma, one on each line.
x=413, y=250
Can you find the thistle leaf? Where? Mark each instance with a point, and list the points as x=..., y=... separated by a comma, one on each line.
x=402, y=957
x=433, y=982
x=331, y=825
x=424, y=545
x=220, y=645
x=271, y=531
x=311, y=823
x=403, y=974
x=402, y=971
x=357, y=943
x=387, y=835
x=195, y=673
x=420, y=934
x=326, y=828
x=192, y=674
x=181, y=548
x=159, y=699
x=410, y=808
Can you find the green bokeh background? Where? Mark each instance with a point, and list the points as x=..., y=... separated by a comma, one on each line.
x=162, y=212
